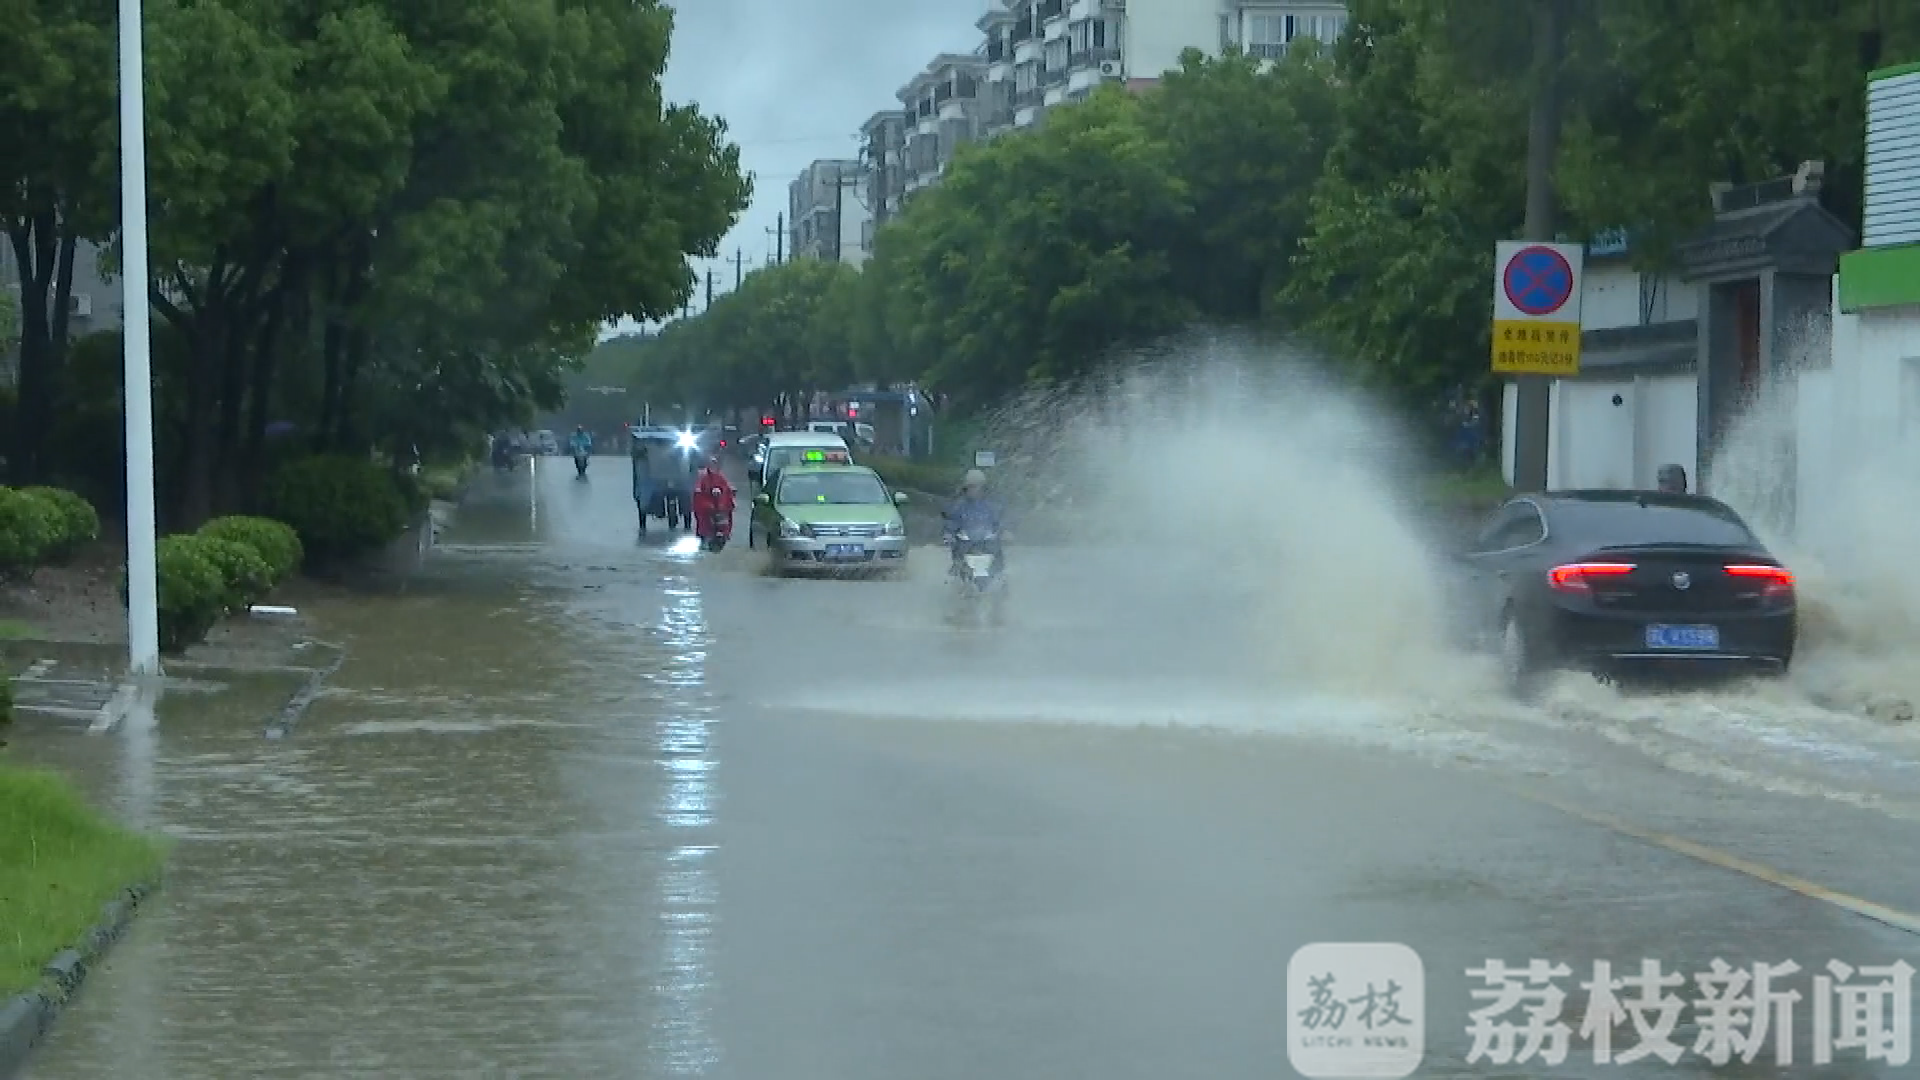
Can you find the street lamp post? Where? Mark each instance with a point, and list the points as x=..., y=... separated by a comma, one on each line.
x=143, y=586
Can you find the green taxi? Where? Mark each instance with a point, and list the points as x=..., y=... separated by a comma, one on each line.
x=830, y=518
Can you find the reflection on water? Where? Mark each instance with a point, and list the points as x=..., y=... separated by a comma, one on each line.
x=687, y=896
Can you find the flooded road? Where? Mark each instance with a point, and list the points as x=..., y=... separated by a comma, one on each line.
x=585, y=805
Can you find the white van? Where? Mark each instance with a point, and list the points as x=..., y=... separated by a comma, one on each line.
x=784, y=448
x=857, y=432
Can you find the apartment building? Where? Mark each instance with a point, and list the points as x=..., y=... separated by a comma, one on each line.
x=94, y=304
x=883, y=153
x=1041, y=53
x=943, y=112
x=1037, y=54
x=827, y=212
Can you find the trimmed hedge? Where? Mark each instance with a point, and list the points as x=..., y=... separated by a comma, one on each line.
x=244, y=573
x=926, y=477
x=29, y=528
x=274, y=541
x=340, y=506
x=42, y=525
x=228, y=566
x=193, y=591
x=77, y=523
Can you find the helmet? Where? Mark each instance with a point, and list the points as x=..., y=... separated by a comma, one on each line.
x=974, y=479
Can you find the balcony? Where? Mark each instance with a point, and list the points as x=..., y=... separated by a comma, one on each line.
x=1000, y=116
x=1051, y=9
x=1266, y=50
x=996, y=52
x=1027, y=98
x=1054, y=76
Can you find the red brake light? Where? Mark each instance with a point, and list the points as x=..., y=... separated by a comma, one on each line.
x=1775, y=578
x=1577, y=577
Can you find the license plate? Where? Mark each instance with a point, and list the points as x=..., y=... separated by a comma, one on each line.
x=981, y=565
x=844, y=551
x=1662, y=636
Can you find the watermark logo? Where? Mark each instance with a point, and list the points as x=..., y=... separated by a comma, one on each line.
x=1733, y=1013
x=1356, y=1011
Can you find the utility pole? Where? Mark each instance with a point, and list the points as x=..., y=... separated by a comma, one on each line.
x=739, y=267
x=779, y=232
x=143, y=575
x=1534, y=394
x=839, y=208
x=709, y=286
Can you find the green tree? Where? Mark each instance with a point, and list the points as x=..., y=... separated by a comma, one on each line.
x=1041, y=252
x=1249, y=140
x=56, y=104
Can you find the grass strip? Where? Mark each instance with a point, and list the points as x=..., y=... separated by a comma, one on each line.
x=60, y=861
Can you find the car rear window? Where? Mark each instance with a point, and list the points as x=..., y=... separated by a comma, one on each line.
x=1616, y=524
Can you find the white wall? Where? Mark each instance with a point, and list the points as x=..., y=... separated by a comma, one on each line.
x=1611, y=295
x=1598, y=444
x=1158, y=31
x=1858, y=423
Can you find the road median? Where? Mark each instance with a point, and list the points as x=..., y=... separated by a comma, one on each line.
x=70, y=882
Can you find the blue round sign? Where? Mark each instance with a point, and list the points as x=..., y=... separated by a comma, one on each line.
x=1538, y=281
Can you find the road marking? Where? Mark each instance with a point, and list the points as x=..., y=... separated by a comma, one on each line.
x=114, y=710
x=39, y=668
x=1879, y=913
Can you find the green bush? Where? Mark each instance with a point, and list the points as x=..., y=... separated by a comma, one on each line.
x=341, y=506
x=927, y=477
x=275, y=542
x=246, y=574
x=193, y=593
x=29, y=530
x=6, y=701
x=77, y=524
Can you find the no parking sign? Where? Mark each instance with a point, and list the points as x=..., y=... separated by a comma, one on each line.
x=1536, y=308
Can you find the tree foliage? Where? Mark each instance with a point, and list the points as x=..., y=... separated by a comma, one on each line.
x=1351, y=196
x=393, y=225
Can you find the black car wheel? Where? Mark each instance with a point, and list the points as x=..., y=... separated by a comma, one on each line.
x=1521, y=669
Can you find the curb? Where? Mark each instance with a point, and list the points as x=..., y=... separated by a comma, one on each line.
x=281, y=725
x=25, y=1018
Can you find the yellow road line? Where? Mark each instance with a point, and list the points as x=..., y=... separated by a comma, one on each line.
x=1879, y=913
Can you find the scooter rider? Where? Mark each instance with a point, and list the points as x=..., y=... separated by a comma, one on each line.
x=705, y=503
x=973, y=510
x=582, y=446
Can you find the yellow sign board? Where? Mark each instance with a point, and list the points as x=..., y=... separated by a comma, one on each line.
x=1532, y=347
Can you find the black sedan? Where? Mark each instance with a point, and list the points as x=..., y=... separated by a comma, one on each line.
x=1622, y=583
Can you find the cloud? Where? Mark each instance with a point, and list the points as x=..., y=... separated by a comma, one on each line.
x=795, y=80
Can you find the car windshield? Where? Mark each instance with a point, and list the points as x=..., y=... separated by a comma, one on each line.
x=1627, y=522
x=832, y=489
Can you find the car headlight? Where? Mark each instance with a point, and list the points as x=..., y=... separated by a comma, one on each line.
x=896, y=529
x=789, y=529
x=688, y=441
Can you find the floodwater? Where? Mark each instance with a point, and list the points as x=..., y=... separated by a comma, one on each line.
x=583, y=804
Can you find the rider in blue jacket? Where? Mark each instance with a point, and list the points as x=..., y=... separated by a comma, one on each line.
x=582, y=442
x=974, y=509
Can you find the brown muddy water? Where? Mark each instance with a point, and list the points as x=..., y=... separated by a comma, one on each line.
x=581, y=804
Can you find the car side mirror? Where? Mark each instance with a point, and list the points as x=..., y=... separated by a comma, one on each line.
x=899, y=498
x=763, y=500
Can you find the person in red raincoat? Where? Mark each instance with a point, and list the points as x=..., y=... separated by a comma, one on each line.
x=704, y=501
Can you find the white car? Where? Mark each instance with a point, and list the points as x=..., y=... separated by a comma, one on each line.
x=784, y=448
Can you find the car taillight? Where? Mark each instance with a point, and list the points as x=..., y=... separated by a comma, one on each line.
x=1579, y=577
x=1776, y=580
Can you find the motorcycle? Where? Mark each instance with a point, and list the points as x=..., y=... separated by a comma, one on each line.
x=580, y=465
x=720, y=529
x=979, y=585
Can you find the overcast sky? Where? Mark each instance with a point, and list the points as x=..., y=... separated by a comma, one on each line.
x=794, y=82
